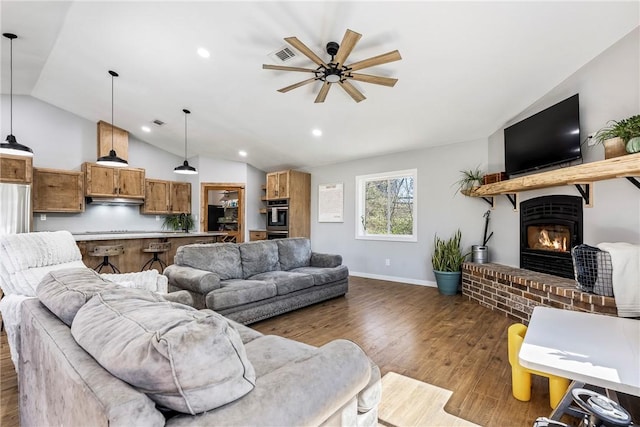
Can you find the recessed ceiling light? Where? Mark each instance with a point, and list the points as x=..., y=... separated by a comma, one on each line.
x=203, y=52
x=146, y=129
x=242, y=153
x=316, y=132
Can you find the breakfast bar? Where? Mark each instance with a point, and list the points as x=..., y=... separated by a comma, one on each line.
x=135, y=242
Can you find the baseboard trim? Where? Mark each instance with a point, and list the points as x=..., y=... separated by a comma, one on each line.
x=394, y=279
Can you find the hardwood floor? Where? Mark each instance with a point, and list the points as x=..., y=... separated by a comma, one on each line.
x=411, y=330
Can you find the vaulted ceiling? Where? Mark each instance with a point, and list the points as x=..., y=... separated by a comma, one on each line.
x=467, y=68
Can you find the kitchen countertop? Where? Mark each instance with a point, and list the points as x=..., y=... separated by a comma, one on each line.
x=121, y=235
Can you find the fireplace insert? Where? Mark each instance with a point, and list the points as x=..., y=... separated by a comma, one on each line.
x=549, y=227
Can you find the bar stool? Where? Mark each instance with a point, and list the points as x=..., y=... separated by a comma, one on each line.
x=105, y=252
x=155, y=249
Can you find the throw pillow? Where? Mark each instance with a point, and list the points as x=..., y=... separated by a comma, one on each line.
x=184, y=359
x=65, y=291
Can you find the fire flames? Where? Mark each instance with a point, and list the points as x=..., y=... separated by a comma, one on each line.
x=555, y=244
x=549, y=237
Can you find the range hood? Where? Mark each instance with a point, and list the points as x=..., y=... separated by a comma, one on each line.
x=114, y=201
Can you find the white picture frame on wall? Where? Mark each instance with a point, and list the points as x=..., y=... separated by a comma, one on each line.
x=331, y=202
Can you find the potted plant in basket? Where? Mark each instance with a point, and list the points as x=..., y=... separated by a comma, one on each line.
x=447, y=259
x=620, y=137
x=470, y=179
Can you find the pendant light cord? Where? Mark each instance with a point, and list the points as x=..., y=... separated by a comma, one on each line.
x=112, y=130
x=185, y=136
x=11, y=87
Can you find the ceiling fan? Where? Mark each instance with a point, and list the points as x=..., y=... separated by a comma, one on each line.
x=336, y=71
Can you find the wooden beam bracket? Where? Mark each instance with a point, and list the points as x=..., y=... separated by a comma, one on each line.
x=634, y=181
x=513, y=198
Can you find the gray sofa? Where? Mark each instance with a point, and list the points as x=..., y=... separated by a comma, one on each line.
x=252, y=281
x=129, y=357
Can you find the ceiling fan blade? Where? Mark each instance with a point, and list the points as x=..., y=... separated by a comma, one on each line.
x=376, y=60
x=283, y=68
x=377, y=80
x=297, y=85
x=352, y=91
x=322, y=95
x=348, y=43
x=293, y=41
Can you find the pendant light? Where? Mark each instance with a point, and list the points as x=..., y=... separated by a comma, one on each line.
x=185, y=168
x=11, y=146
x=112, y=159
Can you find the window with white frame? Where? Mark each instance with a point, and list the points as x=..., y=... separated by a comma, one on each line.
x=386, y=206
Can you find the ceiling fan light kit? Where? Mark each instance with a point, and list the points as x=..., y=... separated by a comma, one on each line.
x=112, y=158
x=185, y=168
x=336, y=71
x=11, y=145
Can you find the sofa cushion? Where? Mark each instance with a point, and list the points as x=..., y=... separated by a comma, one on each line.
x=259, y=257
x=65, y=291
x=286, y=281
x=222, y=259
x=236, y=292
x=294, y=252
x=270, y=352
x=322, y=276
x=184, y=359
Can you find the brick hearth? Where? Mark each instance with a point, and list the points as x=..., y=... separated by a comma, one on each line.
x=515, y=291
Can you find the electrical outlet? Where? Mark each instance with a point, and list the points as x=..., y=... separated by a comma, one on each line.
x=387, y=262
x=591, y=141
x=43, y=217
x=157, y=217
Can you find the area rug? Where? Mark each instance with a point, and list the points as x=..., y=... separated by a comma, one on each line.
x=408, y=402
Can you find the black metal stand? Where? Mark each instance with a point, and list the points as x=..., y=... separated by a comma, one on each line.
x=149, y=264
x=105, y=263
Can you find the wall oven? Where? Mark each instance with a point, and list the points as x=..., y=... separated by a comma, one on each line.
x=277, y=215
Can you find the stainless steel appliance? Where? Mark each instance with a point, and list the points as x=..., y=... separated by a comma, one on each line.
x=271, y=235
x=277, y=215
x=15, y=208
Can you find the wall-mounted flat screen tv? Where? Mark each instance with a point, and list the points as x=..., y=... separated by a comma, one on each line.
x=547, y=138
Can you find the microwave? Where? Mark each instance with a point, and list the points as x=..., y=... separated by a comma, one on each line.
x=277, y=215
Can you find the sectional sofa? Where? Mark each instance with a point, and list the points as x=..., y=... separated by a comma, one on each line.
x=252, y=281
x=95, y=353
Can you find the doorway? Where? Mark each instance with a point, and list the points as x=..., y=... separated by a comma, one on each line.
x=222, y=209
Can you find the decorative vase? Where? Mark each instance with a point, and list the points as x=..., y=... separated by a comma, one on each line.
x=614, y=147
x=448, y=281
x=633, y=146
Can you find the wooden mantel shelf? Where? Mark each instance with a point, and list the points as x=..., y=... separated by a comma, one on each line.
x=586, y=173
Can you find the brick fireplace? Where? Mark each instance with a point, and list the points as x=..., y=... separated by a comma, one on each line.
x=515, y=291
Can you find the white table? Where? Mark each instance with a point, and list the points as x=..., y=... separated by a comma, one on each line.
x=587, y=348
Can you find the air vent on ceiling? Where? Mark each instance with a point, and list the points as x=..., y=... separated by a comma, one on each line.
x=283, y=54
x=157, y=122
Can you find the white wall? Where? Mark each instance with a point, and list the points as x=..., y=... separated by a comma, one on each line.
x=439, y=211
x=609, y=88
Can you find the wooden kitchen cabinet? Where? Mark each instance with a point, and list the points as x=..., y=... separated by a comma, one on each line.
x=120, y=140
x=166, y=197
x=57, y=190
x=16, y=169
x=105, y=181
x=255, y=235
x=180, y=197
x=278, y=185
x=295, y=186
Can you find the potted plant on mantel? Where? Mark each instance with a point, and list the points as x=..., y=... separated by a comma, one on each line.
x=620, y=137
x=471, y=179
x=447, y=259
